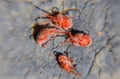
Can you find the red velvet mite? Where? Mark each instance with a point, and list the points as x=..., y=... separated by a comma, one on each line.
x=45, y=33
x=59, y=19
x=78, y=39
x=66, y=63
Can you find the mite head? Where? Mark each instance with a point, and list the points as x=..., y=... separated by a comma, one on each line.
x=56, y=53
x=55, y=11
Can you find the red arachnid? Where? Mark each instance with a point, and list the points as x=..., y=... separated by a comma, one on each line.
x=66, y=63
x=59, y=19
x=78, y=39
x=44, y=33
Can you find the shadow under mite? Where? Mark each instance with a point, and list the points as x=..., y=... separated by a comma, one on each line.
x=74, y=31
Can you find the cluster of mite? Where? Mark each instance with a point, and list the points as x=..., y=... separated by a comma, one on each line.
x=60, y=23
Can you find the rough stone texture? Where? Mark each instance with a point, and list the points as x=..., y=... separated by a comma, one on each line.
x=22, y=58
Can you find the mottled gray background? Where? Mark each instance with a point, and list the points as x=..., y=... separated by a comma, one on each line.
x=22, y=58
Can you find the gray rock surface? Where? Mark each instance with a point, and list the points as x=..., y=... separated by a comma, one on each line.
x=22, y=58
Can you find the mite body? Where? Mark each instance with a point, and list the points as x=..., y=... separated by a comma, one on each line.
x=59, y=19
x=42, y=33
x=66, y=63
x=46, y=33
x=78, y=39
